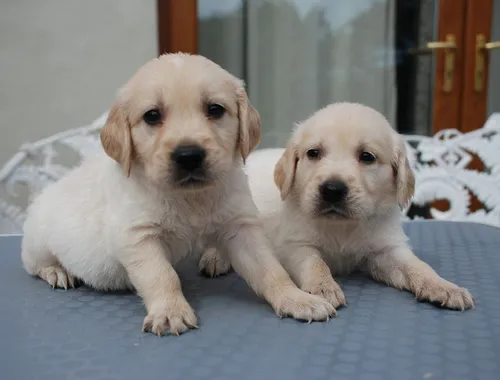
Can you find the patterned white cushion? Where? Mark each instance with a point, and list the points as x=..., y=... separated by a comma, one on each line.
x=440, y=164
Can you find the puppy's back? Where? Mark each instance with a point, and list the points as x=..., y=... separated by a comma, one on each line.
x=260, y=169
x=68, y=211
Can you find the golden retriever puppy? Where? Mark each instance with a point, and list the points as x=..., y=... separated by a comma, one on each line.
x=341, y=183
x=170, y=181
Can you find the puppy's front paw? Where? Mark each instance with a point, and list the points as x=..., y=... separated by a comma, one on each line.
x=177, y=317
x=298, y=304
x=327, y=289
x=213, y=264
x=57, y=277
x=446, y=294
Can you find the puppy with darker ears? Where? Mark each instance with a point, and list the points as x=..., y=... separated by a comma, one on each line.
x=169, y=181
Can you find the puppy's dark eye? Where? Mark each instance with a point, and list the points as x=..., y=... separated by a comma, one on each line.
x=366, y=158
x=215, y=111
x=153, y=117
x=313, y=154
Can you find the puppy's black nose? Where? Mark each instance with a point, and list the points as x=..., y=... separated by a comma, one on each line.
x=333, y=191
x=189, y=157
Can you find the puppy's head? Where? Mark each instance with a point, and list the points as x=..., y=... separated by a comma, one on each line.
x=183, y=121
x=345, y=162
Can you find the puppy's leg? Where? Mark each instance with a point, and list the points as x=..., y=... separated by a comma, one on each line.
x=45, y=265
x=400, y=268
x=214, y=263
x=312, y=274
x=251, y=256
x=159, y=285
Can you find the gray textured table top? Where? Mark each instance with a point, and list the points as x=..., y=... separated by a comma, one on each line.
x=383, y=334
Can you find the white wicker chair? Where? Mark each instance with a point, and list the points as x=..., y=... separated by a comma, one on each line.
x=442, y=172
x=38, y=164
x=440, y=164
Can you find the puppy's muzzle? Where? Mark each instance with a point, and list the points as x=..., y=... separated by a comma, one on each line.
x=190, y=166
x=333, y=192
x=189, y=158
x=332, y=199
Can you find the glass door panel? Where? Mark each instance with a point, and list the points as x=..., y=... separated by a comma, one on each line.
x=494, y=63
x=300, y=55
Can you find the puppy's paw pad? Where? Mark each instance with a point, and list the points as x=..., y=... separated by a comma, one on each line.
x=304, y=306
x=57, y=277
x=212, y=264
x=172, y=320
x=447, y=295
x=330, y=291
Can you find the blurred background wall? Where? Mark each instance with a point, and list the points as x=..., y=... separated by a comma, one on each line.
x=61, y=62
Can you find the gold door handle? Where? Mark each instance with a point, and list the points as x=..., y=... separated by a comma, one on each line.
x=449, y=46
x=482, y=48
x=492, y=45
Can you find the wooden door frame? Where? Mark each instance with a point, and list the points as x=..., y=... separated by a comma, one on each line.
x=177, y=26
x=474, y=104
x=446, y=105
x=463, y=108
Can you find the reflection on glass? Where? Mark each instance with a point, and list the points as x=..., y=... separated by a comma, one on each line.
x=300, y=55
x=494, y=73
x=221, y=33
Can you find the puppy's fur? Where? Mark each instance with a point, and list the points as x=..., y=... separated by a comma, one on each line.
x=362, y=229
x=123, y=219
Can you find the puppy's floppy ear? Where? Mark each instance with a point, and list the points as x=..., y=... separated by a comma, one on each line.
x=284, y=172
x=250, y=126
x=116, y=138
x=404, y=178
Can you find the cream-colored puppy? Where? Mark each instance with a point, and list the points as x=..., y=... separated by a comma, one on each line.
x=171, y=181
x=342, y=180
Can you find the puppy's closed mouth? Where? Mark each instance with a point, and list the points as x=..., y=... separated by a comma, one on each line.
x=192, y=181
x=333, y=211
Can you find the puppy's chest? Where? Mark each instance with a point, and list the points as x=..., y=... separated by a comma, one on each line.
x=342, y=250
x=192, y=221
